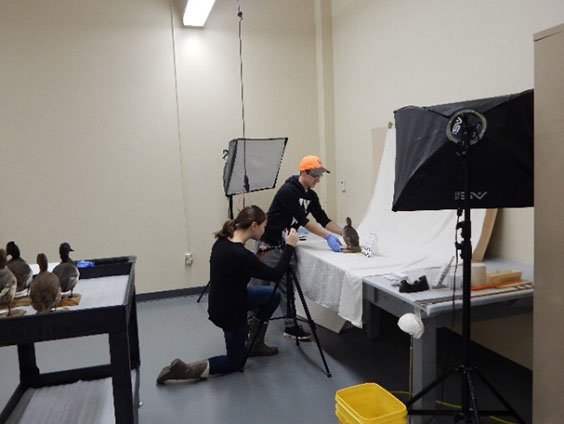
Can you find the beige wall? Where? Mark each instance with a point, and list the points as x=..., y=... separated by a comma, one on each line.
x=88, y=133
x=389, y=54
x=93, y=151
x=548, y=405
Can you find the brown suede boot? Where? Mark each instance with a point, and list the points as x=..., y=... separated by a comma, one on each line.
x=179, y=370
x=259, y=347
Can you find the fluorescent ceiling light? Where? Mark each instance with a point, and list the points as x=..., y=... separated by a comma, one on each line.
x=196, y=12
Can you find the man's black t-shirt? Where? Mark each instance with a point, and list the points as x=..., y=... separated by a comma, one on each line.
x=231, y=267
x=289, y=208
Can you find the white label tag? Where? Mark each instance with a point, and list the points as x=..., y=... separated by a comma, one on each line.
x=370, y=245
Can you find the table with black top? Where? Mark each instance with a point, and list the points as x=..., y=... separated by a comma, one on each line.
x=107, y=307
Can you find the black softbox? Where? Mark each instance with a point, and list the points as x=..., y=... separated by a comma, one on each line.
x=429, y=174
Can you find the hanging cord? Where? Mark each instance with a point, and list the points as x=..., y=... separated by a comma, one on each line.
x=240, y=15
x=246, y=178
x=178, y=132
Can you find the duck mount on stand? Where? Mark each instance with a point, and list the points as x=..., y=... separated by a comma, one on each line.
x=23, y=273
x=350, y=236
x=8, y=285
x=68, y=275
x=45, y=291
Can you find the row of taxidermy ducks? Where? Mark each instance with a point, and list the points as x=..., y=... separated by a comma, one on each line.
x=45, y=288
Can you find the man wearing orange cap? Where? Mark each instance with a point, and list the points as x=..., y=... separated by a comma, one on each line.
x=290, y=208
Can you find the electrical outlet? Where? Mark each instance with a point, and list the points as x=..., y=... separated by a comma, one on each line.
x=343, y=185
x=188, y=258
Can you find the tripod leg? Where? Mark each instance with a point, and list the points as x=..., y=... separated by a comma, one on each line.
x=203, y=292
x=310, y=321
x=291, y=301
x=472, y=395
x=499, y=397
x=427, y=389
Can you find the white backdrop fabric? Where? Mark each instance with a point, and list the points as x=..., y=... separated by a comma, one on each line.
x=406, y=241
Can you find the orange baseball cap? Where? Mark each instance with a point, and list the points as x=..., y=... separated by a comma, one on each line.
x=312, y=163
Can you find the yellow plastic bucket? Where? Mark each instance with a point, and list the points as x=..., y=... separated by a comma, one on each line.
x=369, y=403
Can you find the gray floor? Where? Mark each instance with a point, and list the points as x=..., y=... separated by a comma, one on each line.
x=288, y=388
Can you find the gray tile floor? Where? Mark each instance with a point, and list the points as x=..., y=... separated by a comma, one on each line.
x=288, y=388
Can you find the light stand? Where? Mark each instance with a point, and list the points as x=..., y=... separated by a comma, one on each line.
x=465, y=128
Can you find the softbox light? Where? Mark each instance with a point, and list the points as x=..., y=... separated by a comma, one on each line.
x=257, y=158
x=429, y=175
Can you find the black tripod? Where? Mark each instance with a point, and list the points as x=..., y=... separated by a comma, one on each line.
x=469, y=411
x=204, y=290
x=291, y=282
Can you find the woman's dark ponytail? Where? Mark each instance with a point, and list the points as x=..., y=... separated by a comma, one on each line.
x=244, y=219
x=227, y=229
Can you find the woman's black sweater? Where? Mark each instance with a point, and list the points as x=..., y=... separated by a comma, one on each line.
x=231, y=267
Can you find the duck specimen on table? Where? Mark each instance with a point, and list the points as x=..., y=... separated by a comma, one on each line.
x=45, y=289
x=66, y=271
x=8, y=283
x=19, y=267
x=351, y=238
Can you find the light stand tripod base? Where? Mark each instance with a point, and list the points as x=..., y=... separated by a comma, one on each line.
x=473, y=413
x=470, y=411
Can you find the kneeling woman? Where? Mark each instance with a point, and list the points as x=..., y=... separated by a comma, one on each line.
x=231, y=267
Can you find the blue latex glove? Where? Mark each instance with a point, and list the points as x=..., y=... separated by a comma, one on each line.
x=84, y=264
x=333, y=243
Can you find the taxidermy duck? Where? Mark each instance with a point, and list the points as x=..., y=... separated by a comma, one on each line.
x=19, y=267
x=45, y=289
x=8, y=283
x=66, y=271
x=351, y=238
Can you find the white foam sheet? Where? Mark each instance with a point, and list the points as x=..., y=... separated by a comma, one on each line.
x=85, y=402
x=406, y=241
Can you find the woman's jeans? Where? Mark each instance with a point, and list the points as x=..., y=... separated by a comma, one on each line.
x=260, y=300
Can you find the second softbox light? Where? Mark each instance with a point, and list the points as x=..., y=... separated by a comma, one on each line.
x=257, y=158
x=429, y=174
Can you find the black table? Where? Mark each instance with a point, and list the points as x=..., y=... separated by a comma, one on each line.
x=112, y=278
